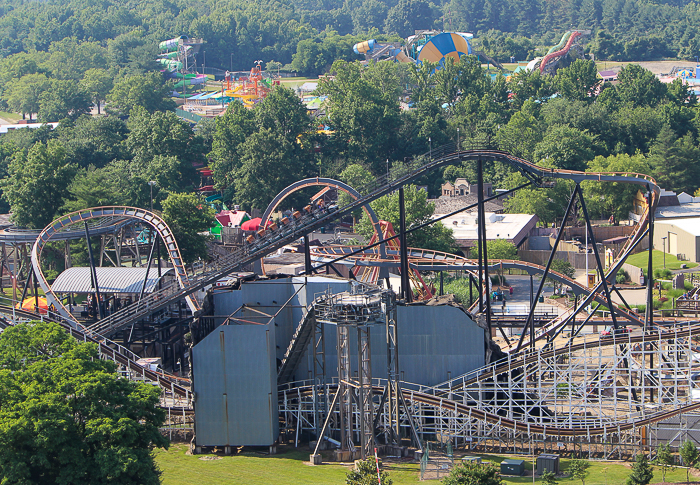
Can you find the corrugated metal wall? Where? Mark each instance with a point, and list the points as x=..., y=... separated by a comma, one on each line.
x=235, y=381
x=434, y=342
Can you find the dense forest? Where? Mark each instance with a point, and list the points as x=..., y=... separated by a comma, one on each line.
x=308, y=35
x=61, y=58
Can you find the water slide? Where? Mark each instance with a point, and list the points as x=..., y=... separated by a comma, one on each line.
x=548, y=64
x=557, y=52
x=189, y=79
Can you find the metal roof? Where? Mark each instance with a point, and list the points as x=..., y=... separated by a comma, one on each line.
x=109, y=280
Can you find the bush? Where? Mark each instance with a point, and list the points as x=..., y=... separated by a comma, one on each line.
x=642, y=472
x=622, y=277
x=663, y=274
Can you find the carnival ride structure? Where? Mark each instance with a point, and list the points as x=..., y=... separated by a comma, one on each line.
x=607, y=393
x=427, y=45
x=251, y=89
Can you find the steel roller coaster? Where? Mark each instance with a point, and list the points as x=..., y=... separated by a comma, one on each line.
x=612, y=395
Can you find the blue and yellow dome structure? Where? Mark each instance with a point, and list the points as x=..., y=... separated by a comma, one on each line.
x=441, y=46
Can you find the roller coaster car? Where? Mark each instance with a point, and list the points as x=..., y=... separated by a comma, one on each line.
x=309, y=208
x=272, y=227
x=261, y=232
x=296, y=214
x=609, y=331
x=250, y=239
x=284, y=221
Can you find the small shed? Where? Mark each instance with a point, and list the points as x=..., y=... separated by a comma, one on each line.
x=512, y=467
x=548, y=462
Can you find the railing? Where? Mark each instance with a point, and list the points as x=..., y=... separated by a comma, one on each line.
x=382, y=185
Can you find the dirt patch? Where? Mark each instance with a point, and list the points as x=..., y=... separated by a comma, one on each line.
x=657, y=67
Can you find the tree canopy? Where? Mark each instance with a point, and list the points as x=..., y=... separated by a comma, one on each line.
x=66, y=416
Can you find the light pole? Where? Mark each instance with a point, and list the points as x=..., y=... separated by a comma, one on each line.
x=430, y=142
x=151, y=183
x=458, y=139
x=387, y=170
x=663, y=239
x=231, y=61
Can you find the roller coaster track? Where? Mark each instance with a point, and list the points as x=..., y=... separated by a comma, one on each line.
x=451, y=405
x=525, y=357
x=272, y=240
x=107, y=349
x=429, y=260
x=443, y=396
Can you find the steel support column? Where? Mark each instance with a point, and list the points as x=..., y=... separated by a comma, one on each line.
x=649, y=320
x=481, y=232
x=308, y=268
x=591, y=237
x=93, y=272
x=406, y=291
x=530, y=318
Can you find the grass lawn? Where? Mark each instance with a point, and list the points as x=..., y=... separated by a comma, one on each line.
x=657, y=258
x=288, y=468
x=10, y=116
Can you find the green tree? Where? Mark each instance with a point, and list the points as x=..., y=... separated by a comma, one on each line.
x=356, y=176
x=675, y=161
x=24, y=95
x=146, y=90
x=187, y=218
x=530, y=85
x=642, y=472
x=549, y=478
x=566, y=147
x=418, y=211
x=689, y=456
x=37, y=184
x=67, y=417
x=269, y=163
x=473, y=473
x=522, y=133
x=664, y=459
x=232, y=129
x=98, y=83
x=563, y=267
x=155, y=136
x=365, y=473
x=577, y=81
x=578, y=469
x=638, y=87
x=501, y=249
x=64, y=99
x=407, y=16
x=365, y=118
x=607, y=198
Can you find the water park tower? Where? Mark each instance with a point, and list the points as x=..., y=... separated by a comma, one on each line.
x=180, y=54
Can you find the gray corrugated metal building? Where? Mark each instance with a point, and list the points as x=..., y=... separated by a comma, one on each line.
x=235, y=379
x=110, y=280
x=435, y=343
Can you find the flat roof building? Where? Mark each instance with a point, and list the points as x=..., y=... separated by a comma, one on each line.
x=511, y=227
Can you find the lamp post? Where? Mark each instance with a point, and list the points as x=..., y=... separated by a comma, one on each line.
x=458, y=140
x=151, y=183
x=387, y=170
x=663, y=239
x=231, y=61
x=430, y=142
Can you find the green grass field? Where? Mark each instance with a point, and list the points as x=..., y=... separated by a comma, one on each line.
x=10, y=116
x=657, y=258
x=289, y=468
